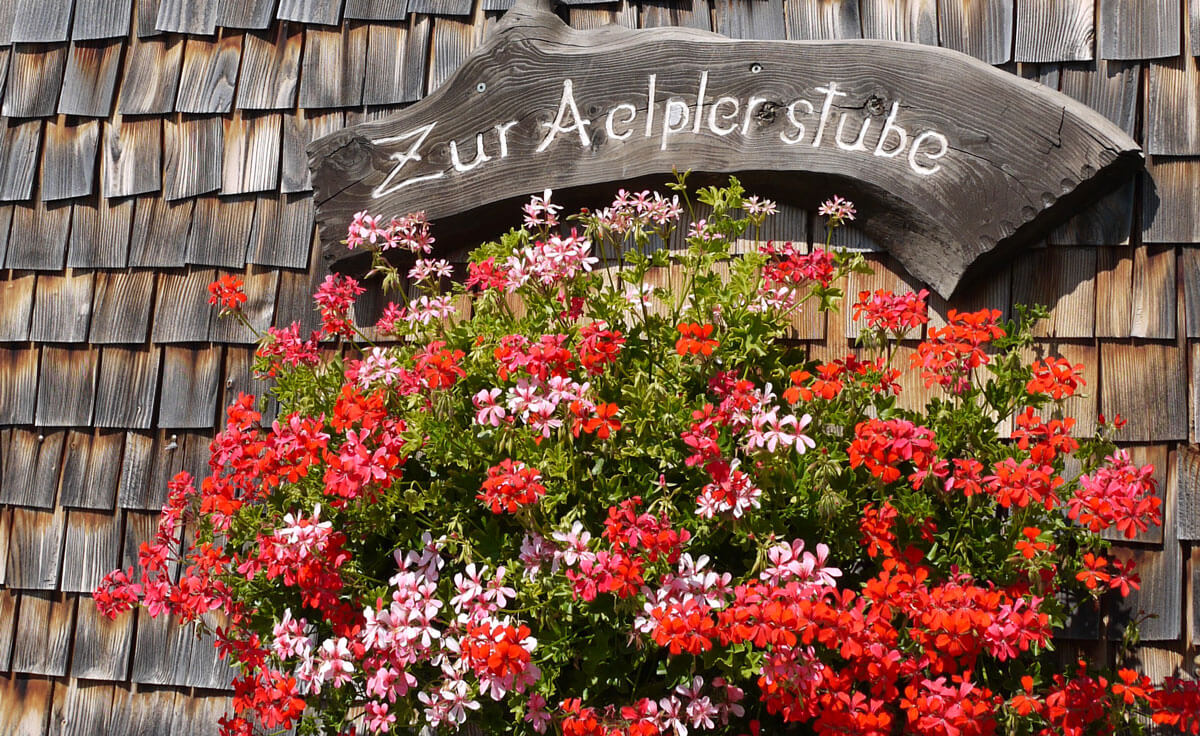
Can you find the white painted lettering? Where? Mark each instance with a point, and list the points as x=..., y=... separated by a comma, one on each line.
x=675, y=115
x=943, y=147
x=715, y=111
x=480, y=155
x=579, y=123
x=650, y=104
x=889, y=128
x=609, y=122
x=401, y=158
x=858, y=144
x=830, y=93
x=791, y=114
x=753, y=103
x=700, y=100
x=502, y=131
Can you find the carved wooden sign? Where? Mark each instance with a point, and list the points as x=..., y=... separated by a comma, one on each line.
x=950, y=160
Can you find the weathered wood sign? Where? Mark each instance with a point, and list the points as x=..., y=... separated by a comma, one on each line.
x=950, y=160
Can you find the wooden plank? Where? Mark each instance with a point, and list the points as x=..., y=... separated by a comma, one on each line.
x=35, y=76
x=1187, y=472
x=1055, y=30
x=19, y=158
x=28, y=705
x=270, y=69
x=384, y=83
x=1064, y=280
x=93, y=486
x=16, y=307
x=193, y=153
x=251, y=14
x=91, y=550
x=121, y=307
x=1145, y=383
x=189, y=387
x=8, y=620
x=6, y=213
x=69, y=158
x=128, y=379
x=160, y=228
x=416, y=56
x=757, y=19
x=77, y=449
x=1114, y=292
x=96, y=19
x=209, y=76
x=182, y=312
x=151, y=76
x=378, y=10
x=187, y=16
x=42, y=643
x=134, y=491
x=145, y=711
x=688, y=14
x=131, y=156
x=283, y=231
x=101, y=650
x=322, y=12
x=91, y=78
x=1172, y=99
x=1138, y=29
x=1153, y=292
x=31, y=461
x=34, y=549
x=39, y=236
x=1189, y=268
x=915, y=21
x=333, y=68
x=100, y=233
x=220, y=229
x=18, y=384
x=252, y=149
x=821, y=20
x=588, y=14
x=66, y=387
x=1171, y=200
x=453, y=40
x=454, y=7
x=41, y=21
x=982, y=29
x=145, y=16
x=79, y=706
x=261, y=285
x=63, y=307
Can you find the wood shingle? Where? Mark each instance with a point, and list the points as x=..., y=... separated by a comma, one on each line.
x=270, y=69
x=41, y=20
x=187, y=16
x=982, y=29
x=99, y=19
x=121, y=307
x=915, y=21
x=1055, y=30
x=100, y=233
x=35, y=76
x=63, y=307
x=1138, y=29
x=127, y=387
x=90, y=80
x=69, y=158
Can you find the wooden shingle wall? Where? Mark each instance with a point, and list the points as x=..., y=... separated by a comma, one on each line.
x=149, y=146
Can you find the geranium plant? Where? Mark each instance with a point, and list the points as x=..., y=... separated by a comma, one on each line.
x=595, y=489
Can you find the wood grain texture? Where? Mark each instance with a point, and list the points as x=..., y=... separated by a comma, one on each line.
x=1062, y=279
x=34, y=549
x=17, y=294
x=40, y=20
x=1145, y=383
x=282, y=234
x=219, y=232
x=69, y=158
x=63, y=307
x=67, y=386
x=1189, y=280
x=193, y=154
x=35, y=76
x=77, y=449
x=187, y=16
x=453, y=40
x=145, y=711
x=38, y=239
x=188, y=395
x=20, y=143
x=91, y=550
x=298, y=132
x=822, y=20
x=333, y=68
x=182, y=312
x=687, y=14
x=440, y=7
x=252, y=149
x=270, y=69
x=322, y=12
x=8, y=620
x=1107, y=221
x=381, y=10
x=915, y=21
x=6, y=213
x=1171, y=200
x=255, y=14
x=209, y=74
x=127, y=385
x=134, y=488
x=77, y=703
x=18, y=384
x=121, y=307
x=1187, y=469
x=42, y=643
x=131, y=156
x=1173, y=107
x=100, y=233
x=94, y=486
x=1055, y=30
x=159, y=236
x=5, y=535
x=31, y=468
x=239, y=379
x=1153, y=292
x=102, y=645
x=145, y=16
x=757, y=19
x=385, y=83
x=1114, y=292
x=982, y=29
x=151, y=77
x=97, y=19
x=1138, y=29
x=31, y=703
x=90, y=79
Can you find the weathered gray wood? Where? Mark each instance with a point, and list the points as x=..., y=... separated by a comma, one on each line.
x=1034, y=185
x=659, y=13
x=1173, y=107
x=982, y=29
x=298, y=132
x=1138, y=29
x=1189, y=269
x=69, y=158
x=19, y=146
x=121, y=311
x=31, y=468
x=66, y=387
x=182, y=312
x=100, y=233
x=239, y=379
x=750, y=19
x=145, y=711
x=914, y=21
x=1145, y=383
x=333, y=67
x=209, y=74
x=1153, y=292
x=1107, y=221
x=193, y=156
x=7, y=10
x=160, y=228
x=187, y=16
x=79, y=703
x=17, y=307
x=1064, y=280
x=93, y=485
x=384, y=10
x=384, y=83
x=18, y=384
x=252, y=148
x=63, y=307
x=6, y=213
x=34, y=549
x=96, y=19
x=323, y=12
x=127, y=385
x=260, y=286
x=151, y=76
x=91, y=551
x=187, y=398
x=101, y=650
x=8, y=621
x=270, y=69
x=440, y=7
x=1055, y=30
x=133, y=491
x=39, y=236
x=283, y=231
x=41, y=21
x=42, y=643
x=1187, y=470
x=1114, y=292
x=822, y=20
x=145, y=16
x=91, y=78
x=255, y=14
x=1170, y=200
x=416, y=56
x=131, y=156
x=452, y=42
x=30, y=701
x=220, y=231
x=34, y=79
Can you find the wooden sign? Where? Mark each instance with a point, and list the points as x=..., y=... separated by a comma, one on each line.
x=951, y=161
